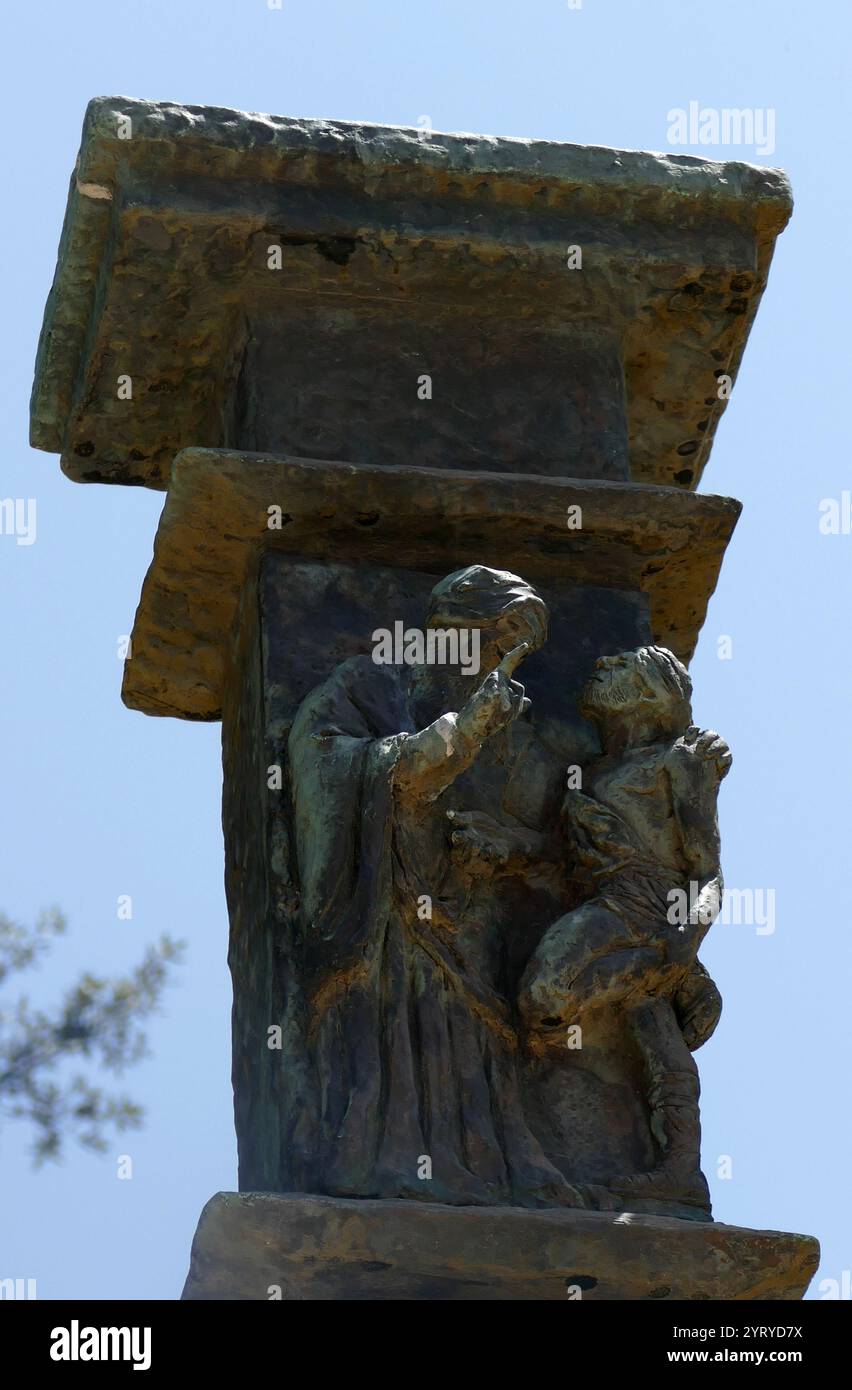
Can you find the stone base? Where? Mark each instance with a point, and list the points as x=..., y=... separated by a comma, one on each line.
x=253, y=1245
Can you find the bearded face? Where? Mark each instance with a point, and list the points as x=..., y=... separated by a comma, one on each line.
x=437, y=685
x=616, y=685
x=528, y=624
x=650, y=677
x=505, y=610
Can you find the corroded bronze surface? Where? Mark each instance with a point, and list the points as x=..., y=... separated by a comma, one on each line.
x=481, y=989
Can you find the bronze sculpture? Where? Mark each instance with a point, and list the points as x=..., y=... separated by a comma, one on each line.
x=408, y=974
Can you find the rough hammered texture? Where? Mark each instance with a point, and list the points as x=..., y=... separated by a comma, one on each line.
x=402, y=254
x=659, y=541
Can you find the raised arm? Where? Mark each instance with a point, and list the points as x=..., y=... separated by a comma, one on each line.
x=695, y=771
x=431, y=760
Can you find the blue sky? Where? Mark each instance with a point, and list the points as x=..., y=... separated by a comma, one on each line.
x=99, y=801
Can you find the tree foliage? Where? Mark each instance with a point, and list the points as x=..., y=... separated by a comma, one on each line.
x=97, y=1024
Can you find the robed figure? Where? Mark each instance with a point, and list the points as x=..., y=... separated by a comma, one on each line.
x=403, y=1042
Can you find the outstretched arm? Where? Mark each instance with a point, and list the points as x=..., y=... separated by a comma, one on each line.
x=431, y=760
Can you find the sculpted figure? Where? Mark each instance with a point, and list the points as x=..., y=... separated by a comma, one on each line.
x=646, y=845
x=401, y=1032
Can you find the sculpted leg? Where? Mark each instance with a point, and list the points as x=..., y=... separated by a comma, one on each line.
x=673, y=1091
x=588, y=957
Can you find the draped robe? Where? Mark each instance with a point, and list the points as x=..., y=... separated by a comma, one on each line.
x=403, y=1044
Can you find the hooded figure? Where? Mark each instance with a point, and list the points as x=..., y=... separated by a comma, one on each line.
x=404, y=1082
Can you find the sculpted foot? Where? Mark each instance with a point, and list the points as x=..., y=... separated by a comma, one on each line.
x=665, y=1185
